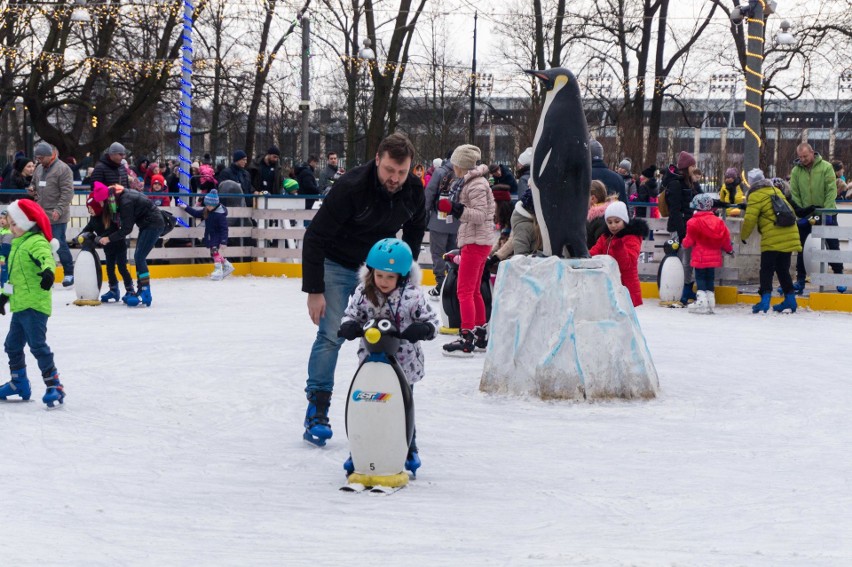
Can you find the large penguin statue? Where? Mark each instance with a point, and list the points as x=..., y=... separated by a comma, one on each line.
x=561, y=170
x=379, y=413
x=87, y=272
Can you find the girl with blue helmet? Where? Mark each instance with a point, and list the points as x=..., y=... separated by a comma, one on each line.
x=390, y=289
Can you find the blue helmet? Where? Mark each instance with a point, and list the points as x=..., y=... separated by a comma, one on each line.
x=390, y=255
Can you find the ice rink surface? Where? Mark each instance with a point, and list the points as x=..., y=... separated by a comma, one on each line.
x=180, y=443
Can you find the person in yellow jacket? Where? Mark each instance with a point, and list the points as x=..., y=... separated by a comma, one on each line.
x=731, y=192
x=777, y=243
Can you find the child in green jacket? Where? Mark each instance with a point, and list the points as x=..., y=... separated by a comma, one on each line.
x=5, y=246
x=28, y=293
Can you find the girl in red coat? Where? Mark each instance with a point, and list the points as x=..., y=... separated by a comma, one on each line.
x=709, y=235
x=623, y=243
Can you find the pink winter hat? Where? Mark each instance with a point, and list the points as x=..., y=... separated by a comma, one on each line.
x=100, y=192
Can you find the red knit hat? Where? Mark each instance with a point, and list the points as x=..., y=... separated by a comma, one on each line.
x=158, y=179
x=93, y=204
x=27, y=214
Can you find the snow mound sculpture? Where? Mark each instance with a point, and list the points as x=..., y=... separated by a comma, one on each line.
x=566, y=329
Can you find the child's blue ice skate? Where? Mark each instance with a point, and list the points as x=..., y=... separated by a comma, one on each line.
x=55, y=392
x=145, y=295
x=19, y=385
x=111, y=295
x=763, y=304
x=412, y=462
x=788, y=303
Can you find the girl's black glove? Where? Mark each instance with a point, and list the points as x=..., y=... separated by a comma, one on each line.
x=350, y=330
x=418, y=331
x=4, y=299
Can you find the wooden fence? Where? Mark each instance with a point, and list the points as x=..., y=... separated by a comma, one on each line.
x=273, y=230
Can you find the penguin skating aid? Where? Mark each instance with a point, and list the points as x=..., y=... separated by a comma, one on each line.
x=87, y=272
x=379, y=414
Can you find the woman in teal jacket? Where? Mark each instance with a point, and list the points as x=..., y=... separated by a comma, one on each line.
x=28, y=293
x=777, y=243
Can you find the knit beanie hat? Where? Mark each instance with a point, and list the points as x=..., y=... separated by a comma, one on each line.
x=211, y=199
x=100, y=192
x=238, y=155
x=116, y=148
x=92, y=203
x=43, y=149
x=754, y=175
x=597, y=149
x=526, y=157
x=702, y=202
x=273, y=151
x=20, y=163
x=27, y=214
x=732, y=172
x=158, y=179
x=626, y=164
x=617, y=209
x=649, y=171
x=465, y=157
x=684, y=160
x=195, y=165
x=501, y=192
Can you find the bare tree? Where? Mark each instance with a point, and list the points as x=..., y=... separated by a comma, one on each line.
x=82, y=105
x=387, y=78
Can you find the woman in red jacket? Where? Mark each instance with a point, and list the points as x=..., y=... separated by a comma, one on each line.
x=623, y=243
x=709, y=235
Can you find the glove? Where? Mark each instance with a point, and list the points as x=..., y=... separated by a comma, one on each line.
x=4, y=299
x=417, y=331
x=491, y=262
x=744, y=242
x=805, y=211
x=47, y=279
x=731, y=253
x=350, y=330
x=457, y=210
x=445, y=205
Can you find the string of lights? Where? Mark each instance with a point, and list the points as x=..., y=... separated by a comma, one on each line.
x=185, y=105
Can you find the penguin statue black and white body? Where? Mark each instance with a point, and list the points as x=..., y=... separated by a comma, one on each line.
x=87, y=272
x=379, y=412
x=561, y=169
x=670, y=274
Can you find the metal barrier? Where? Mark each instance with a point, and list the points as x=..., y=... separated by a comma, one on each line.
x=825, y=256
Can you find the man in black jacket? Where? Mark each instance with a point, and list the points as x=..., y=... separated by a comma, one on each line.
x=307, y=180
x=366, y=204
x=266, y=172
x=237, y=172
x=612, y=181
x=109, y=170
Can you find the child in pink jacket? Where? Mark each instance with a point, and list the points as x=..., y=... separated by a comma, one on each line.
x=472, y=204
x=709, y=236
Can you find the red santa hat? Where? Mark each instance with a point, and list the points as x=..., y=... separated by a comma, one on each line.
x=27, y=214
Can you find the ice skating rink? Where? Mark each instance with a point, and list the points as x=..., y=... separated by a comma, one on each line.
x=180, y=444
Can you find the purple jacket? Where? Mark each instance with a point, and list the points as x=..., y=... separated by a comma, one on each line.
x=215, y=226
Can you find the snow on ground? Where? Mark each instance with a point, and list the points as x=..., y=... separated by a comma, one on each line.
x=180, y=444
